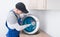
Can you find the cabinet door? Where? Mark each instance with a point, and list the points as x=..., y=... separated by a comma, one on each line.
x=53, y=4
x=38, y=4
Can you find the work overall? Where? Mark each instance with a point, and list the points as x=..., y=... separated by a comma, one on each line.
x=13, y=32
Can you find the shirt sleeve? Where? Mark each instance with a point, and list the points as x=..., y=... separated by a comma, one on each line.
x=13, y=23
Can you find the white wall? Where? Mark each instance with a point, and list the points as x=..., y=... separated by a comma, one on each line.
x=53, y=23
x=53, y=18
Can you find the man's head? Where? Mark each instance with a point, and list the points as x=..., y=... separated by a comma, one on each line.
x=20, y=8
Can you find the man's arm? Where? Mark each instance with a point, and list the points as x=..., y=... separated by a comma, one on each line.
x=13, y=24
x=17, y=26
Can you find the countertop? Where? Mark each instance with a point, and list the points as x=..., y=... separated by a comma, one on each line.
x=40, y=34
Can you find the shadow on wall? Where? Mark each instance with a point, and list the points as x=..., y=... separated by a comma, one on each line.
x=40, y=14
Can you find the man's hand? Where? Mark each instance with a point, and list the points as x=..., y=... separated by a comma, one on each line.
x=33, y=23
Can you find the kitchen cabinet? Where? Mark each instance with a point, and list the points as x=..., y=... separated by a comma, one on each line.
x=53, y=4
x=38, y=4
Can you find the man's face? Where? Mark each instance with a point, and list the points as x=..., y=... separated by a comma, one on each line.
x=18, y=11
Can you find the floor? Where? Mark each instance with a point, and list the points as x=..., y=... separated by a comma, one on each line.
x=41, y=34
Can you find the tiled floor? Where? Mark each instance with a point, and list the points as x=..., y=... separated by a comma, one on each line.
x=41, y=34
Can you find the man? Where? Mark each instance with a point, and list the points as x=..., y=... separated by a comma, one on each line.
x=14, y=20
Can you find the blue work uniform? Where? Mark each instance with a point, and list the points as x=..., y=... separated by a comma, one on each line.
x=13, y=32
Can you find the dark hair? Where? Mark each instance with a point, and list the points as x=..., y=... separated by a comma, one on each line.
x=21, y=6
